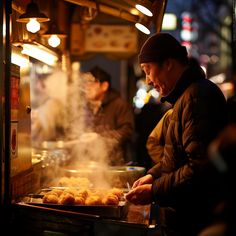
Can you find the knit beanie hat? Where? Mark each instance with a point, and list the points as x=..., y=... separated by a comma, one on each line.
x=161, y=46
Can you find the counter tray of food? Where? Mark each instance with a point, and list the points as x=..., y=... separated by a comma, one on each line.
x=105, y=203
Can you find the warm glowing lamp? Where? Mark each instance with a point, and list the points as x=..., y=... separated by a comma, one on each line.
x=33, y=25
x=54, y=41
x=54, y=35
x=145, y=7
x=40, y=53
x=33, y=17
x=142, y=25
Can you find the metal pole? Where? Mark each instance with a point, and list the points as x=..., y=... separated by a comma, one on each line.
x=7, y=195
x=2, y=6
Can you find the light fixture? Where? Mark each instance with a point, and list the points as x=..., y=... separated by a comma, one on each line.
x=134, y=11
x=33, y=25
x=145, y=7
x=54, y=35
x=33, y=17
x=18, y=59
x=54, y=41
x=40, y=52
x=142, y=25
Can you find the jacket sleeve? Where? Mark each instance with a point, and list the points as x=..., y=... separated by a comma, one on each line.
x=156, y=140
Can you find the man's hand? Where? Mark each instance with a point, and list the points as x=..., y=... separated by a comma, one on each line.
x=147, y=179
x=140, y=195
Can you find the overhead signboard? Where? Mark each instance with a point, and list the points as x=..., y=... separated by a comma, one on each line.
x=111, y=38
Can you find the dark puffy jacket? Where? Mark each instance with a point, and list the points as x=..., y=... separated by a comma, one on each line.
x=199, y=114
x=114, y=121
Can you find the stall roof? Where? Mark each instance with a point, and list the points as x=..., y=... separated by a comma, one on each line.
x=68, y=12
x=119, y=11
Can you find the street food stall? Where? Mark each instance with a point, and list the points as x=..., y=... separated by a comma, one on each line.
x=42, y=192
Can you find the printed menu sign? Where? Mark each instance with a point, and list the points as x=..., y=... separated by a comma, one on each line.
x=15, y=96
x=111, y=38
x=15, y=89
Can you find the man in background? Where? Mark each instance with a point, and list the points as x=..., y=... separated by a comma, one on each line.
x=108, y=115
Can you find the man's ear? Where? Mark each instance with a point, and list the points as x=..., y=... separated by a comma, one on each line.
x=169, y=64
x=105, y=86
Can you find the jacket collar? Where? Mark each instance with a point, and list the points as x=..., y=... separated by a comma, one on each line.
x=109, y=96
x=188, y=77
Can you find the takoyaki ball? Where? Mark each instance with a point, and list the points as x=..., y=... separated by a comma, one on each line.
x=93, y=200
x=118, y=192
x=110, y=199
x=74, y=182
x=57, y=192
x=79, y=200
x=50, y=198
x=82, y=193
x=71, y=190
x=97, y=192
x=66, y=199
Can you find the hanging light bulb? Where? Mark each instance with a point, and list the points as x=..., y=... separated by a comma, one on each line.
x=54, y=41
x=54, y=35
x=33, y=17
x=33, y=25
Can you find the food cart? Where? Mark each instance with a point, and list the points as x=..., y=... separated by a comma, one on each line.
x=24, y=169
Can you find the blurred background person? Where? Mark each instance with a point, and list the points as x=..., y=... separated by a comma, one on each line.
x=47, y=114
x=108, y=115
